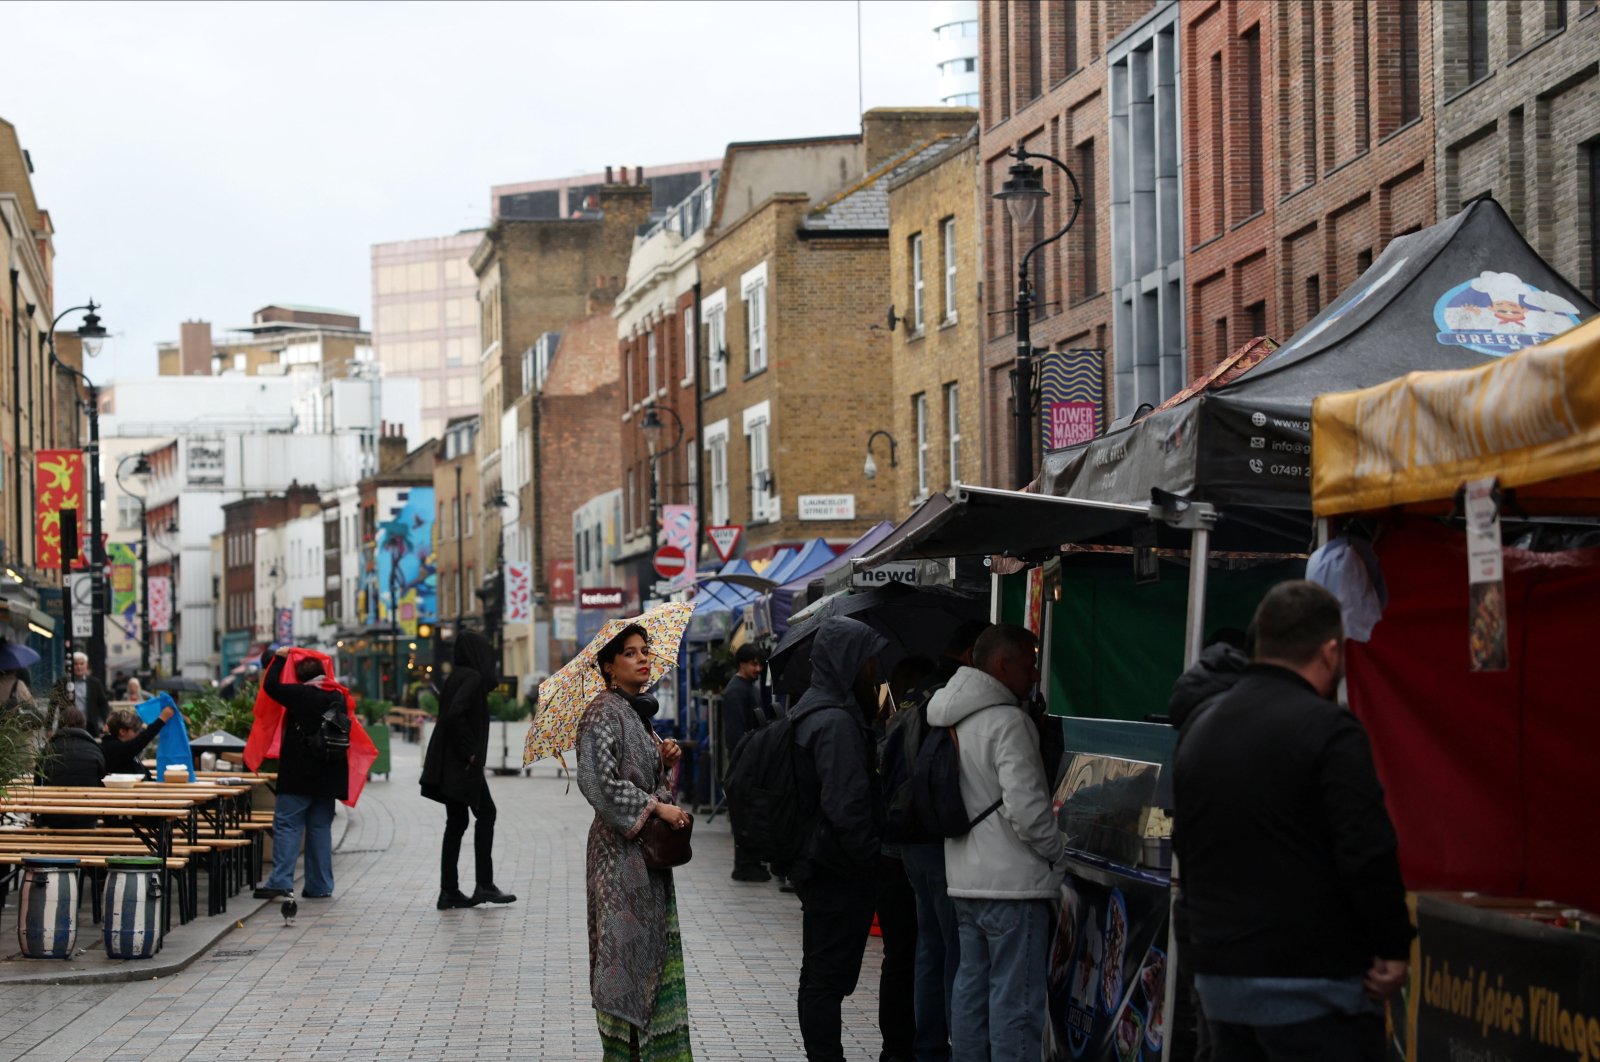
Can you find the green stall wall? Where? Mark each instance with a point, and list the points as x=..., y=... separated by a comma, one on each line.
x=1117, y=648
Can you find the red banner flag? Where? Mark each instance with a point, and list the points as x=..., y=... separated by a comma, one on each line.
x=58, y=484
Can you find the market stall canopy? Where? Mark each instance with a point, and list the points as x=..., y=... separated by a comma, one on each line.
x=969, y=521
x=1461, y=293
x=717, y=599
x=769, y=616
x=1532, y=419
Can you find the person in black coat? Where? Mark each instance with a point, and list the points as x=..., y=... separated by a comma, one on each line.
x=743, y=709
x=452, y=771
x=70, y=757
x=1291, y=878
x=310, y=778
x=126, y=737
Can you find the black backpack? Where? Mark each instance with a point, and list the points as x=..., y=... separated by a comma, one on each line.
x=936, y=787
x=897, y=758
x=771, y=816
x=329, y=740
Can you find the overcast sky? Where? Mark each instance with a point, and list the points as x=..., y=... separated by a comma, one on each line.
x=201, y=160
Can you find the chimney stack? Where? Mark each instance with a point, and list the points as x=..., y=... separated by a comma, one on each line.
x=608, y=174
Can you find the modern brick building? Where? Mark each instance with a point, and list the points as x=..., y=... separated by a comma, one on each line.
x=243, y=615
x=795, y=296
x=934, y=348
x=1044, y=87
x=425, y=322
x=1308, y=145
x=1518, y=117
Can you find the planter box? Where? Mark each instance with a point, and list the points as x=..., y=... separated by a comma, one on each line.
x=505, y=745
x=379, y=733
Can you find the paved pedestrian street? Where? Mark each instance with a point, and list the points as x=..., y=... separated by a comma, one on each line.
x=376, y=972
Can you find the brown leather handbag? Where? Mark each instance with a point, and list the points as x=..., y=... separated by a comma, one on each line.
x=665, y=847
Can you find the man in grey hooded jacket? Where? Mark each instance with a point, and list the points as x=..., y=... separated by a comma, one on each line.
x=1005, y=870
x=838, y=861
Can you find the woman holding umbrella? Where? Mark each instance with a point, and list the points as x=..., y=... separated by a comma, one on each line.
x=635, y=954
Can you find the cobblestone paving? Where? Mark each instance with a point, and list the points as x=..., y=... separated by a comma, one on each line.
x=377, y=973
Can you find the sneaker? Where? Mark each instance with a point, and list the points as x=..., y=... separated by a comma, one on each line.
x=491, y=894
x=264, y=893
x=753, y=874
x=453, y=898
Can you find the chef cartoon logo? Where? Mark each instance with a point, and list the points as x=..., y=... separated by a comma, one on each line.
x=1500, y=313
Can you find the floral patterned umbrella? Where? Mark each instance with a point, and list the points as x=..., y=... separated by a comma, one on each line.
x=564, y=695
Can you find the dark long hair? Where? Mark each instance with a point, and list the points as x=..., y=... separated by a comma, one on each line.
x=612, y=649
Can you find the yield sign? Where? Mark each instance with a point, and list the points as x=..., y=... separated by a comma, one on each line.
x=670, y=562
x=725, y=538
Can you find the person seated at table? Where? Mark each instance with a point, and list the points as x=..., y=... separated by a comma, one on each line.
x=126, y=737
x=70, y=757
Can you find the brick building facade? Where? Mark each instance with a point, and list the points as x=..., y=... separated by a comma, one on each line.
x=240, y=521
x=1519, y=118
x=456, y=554
x=1308, y=145
x=1043, y=66
x=933, y=274
x=794, y=295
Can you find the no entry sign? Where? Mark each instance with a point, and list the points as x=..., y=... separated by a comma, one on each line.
x=670, y=562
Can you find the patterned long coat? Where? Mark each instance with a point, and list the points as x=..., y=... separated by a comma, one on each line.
x=620, y=774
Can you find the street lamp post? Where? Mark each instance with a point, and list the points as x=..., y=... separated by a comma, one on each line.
x=1022, y=193
x=653, y=428
x=461, y=567
x=93, y=334
x=142, y=468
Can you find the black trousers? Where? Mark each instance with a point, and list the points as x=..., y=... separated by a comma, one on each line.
x=1335, y=1038
x=897, y=980
x=455, y=828
x=836, y=917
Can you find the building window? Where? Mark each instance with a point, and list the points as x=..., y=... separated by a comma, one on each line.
x=1219, y=137
x=917, y=286
x=948, y=238
x=716, y=442
x=758, y=431
x=952, y=429
x=627, y=376
x=466, y=515
x=630, y=512
x=1088, y=261
x=1594, y=221
x=650, y=363
x=1363, y=260
x=1555, y=16
x=1410, y=63
x=919, y=412
x=715, y=310
x=1251, y=40
x=127, y=513
x=755, y=319
x=1313, y=297
x=1258, y=319
x=1477, y=40
x=688, y=345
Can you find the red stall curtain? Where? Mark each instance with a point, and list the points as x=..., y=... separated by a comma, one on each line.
x=1491, y=776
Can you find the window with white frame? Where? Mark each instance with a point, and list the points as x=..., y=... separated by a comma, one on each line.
x=688, y=345
x=919, y=411
x=753, y=286
x=917, y=318
x=952, y=428
x=758, y=438
x=949, y=241
x=716, y=446
x=715, y=310
x=650, y=363
x=127, y=513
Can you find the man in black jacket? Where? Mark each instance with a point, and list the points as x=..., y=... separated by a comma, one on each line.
x=1291, y=879
x=310, y=779
x=743, y=710
x=835, y=873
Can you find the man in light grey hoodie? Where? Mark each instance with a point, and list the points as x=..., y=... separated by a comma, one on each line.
x=1007, y=868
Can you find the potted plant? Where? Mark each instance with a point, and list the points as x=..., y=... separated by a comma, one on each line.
x=507, y=733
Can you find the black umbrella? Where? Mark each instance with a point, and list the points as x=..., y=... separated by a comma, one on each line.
x=917, y=621
x=179, y=684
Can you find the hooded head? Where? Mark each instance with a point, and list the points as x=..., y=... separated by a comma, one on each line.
x=473, y=651
x=839, y=654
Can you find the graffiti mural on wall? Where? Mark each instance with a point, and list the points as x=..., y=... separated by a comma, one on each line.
x=399, y=567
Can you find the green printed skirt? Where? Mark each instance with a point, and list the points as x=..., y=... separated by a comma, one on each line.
x=666, y=1038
